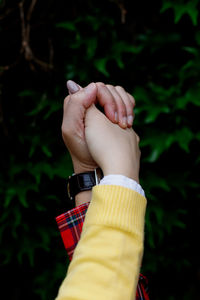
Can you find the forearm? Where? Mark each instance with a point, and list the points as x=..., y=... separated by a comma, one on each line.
x=107, y=259
x=78, y=167
x=83, y=197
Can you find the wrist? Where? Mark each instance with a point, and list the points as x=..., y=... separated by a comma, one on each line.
x=115, y=170
x=80, y=167
x=79, y=185
x=83, y=197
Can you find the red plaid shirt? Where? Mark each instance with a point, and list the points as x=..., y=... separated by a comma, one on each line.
x=70, y=225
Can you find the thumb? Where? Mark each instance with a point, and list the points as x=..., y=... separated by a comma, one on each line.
x=85, y=96
x=72, y=87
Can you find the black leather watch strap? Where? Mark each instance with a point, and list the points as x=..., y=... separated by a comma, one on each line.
x=82, y=182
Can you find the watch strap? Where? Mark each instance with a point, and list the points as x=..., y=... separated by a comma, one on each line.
x=83, y=182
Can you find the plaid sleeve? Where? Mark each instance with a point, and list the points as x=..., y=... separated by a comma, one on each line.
x=142, y=292
x=70, y=225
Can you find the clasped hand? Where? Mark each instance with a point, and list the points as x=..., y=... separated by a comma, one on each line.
x=94, y=139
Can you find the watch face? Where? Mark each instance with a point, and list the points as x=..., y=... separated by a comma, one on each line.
x=82, y=182
x=86, y=181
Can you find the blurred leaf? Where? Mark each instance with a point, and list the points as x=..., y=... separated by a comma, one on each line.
x=20, y=191
x=191, y=50
x=41, y=168
x=155, y=181
x=66, y=25
x=183, y=136
x=100, y=65
x=191, y=96
x=26, y=252
x=180, y=8
x=26, y=93
x=158, y=143
x=46, y=150
x=91, y=47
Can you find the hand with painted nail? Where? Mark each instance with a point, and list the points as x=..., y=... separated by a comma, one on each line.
x=73, y=125
x=116, y=103
x=119, y=101
x=118, y=107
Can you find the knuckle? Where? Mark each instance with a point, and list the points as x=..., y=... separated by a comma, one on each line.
x=132, y=99
x=65, y=130
x=66, y=100
x=100, y=84
x=110, y=86
x=119, y=87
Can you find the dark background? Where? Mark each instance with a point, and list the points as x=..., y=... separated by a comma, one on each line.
x=151, y=48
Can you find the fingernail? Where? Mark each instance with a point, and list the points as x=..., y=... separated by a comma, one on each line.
x=124, y=121
x=72, y=87
x=90, y=87
x=116, y=117
x=130, y=120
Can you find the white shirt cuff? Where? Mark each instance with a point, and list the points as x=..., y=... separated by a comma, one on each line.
x=122, y=181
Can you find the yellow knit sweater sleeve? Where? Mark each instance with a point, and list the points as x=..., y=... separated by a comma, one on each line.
x=107, y=259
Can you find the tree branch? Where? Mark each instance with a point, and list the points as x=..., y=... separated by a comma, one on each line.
x=26, y=50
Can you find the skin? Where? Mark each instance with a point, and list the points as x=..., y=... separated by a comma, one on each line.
x=114, y=149
x=118, y=107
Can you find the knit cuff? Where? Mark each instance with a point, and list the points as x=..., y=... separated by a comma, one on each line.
x=117, y=207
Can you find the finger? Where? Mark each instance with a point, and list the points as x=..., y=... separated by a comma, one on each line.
x=73, y=87
x=73, y=116
x=106, y=100
x=132, y=99
x=121, y=108
x=85, y=96
x=75, y=106
x=128, y=102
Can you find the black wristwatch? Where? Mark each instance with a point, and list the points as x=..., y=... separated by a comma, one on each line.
x=83, y=182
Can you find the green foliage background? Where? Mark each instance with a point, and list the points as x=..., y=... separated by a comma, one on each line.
x=154, y=52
